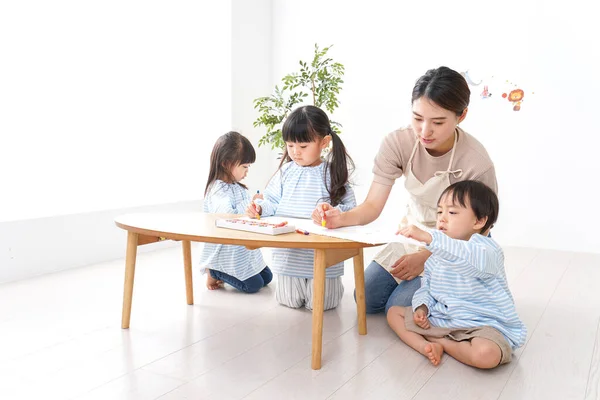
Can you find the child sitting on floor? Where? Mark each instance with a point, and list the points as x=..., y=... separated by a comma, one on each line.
x=464, y=306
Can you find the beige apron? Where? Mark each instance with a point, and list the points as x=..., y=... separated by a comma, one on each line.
x=421, y=209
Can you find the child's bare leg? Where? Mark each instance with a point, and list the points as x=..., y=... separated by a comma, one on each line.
x=433, y=351
x=478, y=352
x=212, y=283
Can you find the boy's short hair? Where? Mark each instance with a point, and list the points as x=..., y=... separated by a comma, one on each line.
x=482, y=199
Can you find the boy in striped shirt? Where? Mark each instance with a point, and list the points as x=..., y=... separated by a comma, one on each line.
x=464, y=306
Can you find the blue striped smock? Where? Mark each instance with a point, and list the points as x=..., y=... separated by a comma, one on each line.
x=236, y=261
x=294, y=191
x=464, y=286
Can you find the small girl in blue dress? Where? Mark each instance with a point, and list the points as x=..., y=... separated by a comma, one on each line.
x=243, y=269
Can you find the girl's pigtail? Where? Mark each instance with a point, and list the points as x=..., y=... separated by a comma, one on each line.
x=340, y=167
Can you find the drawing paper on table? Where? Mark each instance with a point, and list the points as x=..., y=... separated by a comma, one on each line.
x=363, y=234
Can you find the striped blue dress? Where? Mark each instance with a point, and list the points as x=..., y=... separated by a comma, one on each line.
x=236, y=261
x=464, y=286
x=294, y=191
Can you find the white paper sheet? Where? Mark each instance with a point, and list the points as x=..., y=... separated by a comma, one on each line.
x=365, y=234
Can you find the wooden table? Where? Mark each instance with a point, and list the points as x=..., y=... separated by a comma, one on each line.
x=144, y=228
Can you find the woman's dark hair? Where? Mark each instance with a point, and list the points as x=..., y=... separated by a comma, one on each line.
x=230, y=150
x=306, y=124
x=445, y=87
x=482, y=200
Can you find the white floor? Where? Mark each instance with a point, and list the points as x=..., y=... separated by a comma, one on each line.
x=60, y=338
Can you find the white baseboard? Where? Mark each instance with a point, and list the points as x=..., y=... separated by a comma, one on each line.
x=39, y=246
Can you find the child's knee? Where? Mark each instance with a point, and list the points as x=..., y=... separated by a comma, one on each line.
x=252, y=289
x=253, y=284
x=290, y=302
x=486, y=355
x=290, y=292
x=394, y=312
x=266, y=275
x=334, y=291
x=330, y=302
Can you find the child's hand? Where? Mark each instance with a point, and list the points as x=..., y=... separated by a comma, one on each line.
x=326, y=215
x=420, y=317
x=254, y=210
x=416, y=233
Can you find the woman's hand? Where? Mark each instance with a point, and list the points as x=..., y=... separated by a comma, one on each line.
x=258, y=196
x=409, y=266
x=326, y=212
x=420, y=317
x=253, y=210
x=413, y=232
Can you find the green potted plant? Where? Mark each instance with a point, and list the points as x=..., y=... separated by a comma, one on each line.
x=318, y=82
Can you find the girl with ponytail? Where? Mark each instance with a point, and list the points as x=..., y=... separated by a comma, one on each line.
x=303, y=180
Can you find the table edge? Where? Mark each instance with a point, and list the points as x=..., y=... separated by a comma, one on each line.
x=254, y=243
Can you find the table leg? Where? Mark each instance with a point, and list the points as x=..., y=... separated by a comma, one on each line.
x=318, y=306
x=132, y=243
x=187, y=266
x=359, y=282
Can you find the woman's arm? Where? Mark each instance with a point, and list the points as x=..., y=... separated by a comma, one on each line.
x=348, y=201
x=363, y=214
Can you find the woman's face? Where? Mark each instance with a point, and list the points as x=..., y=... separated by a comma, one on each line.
x=434, y=125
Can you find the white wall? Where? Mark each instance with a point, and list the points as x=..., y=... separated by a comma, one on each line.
x=109, y=104
x=105, y=108
x=83, y=83
x=251, y=77
x=44, y=245
x=544, y=154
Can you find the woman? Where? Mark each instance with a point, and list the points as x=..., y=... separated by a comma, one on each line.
x=432, y=154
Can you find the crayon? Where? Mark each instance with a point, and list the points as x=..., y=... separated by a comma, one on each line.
x=254, y=204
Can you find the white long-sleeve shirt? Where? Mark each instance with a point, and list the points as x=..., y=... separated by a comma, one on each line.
x=464, y=286
x=294, y=191
x=237, y=261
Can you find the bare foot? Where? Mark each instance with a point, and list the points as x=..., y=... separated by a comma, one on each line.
x=212, y=283
x=434, y=352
